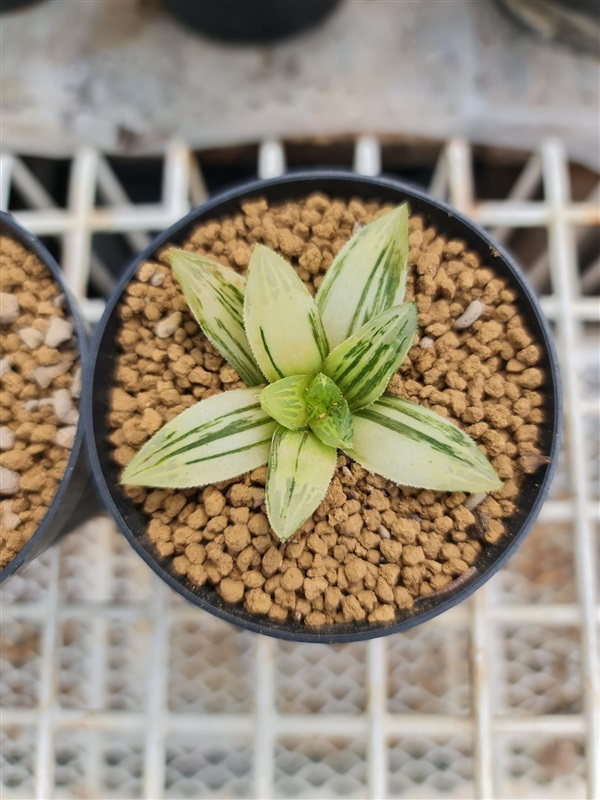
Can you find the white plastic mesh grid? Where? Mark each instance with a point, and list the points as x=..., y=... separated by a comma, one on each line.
x=113, y=687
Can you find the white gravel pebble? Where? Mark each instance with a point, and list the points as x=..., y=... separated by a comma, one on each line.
x=7, y=438
x=76, y=385
x=474, y=500
x=384, y=533
x=157, y=279
x=469, y=316
x=44, y=376
x=64, y=408
x=65, y=437
x=167, y=327
x=10, y=521
x=9, y=481
x=5, y=365
x=9, y=308
x=59, y=331
x=31, y=337
x=426, y=343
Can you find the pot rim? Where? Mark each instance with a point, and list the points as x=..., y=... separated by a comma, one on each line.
x=303, y=183
x=9, y=226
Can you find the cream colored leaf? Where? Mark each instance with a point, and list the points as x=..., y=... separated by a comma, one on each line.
x=216, y=439
x=366, y=277
x=299, y=473
x=282, y=321
x=215, y=295
x=413, y=446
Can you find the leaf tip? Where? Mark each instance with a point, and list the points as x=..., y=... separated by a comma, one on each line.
x=495, y=482
x=181, y=263
x=402, y=211
x=177, y=257
x=261, y=254
x=282, y=530
x=126, y=478
x=396, y=218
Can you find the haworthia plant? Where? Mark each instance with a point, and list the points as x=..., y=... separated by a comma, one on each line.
x=326, y=362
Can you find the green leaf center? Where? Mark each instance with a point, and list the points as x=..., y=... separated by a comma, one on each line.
x=284, y=400
x=329, y=416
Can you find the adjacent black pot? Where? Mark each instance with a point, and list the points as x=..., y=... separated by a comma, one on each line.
x=249, y=21
x=16, y=5
x=345, y=185
x=66, y=509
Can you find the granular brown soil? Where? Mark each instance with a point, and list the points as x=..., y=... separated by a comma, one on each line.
x=371, y=547
x=39, y=387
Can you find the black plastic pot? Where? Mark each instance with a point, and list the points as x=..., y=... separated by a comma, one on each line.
x=346, y=185
x=66, y=509
x=249, y=21
x=17, y=5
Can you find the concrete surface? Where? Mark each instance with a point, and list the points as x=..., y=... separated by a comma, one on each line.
x=123, y=76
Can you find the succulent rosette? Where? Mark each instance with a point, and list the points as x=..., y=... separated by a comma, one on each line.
x=317, y=369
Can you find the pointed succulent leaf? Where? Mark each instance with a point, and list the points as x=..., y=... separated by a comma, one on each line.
x=282, y=321
x=335, y=428
x=215, y=295
x=364, y=364
x=329, y=416
x=321, y=395
x=284, y=401
x=214, y=440
x=366, y=277
x=412, y=446
x=299, y=473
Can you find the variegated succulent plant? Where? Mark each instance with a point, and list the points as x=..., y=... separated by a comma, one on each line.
x=316, y=370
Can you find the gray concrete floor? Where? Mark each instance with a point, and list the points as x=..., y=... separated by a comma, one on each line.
x=121, y=75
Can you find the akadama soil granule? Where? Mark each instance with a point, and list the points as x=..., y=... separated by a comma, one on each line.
x=371, y=547
x=40, y=384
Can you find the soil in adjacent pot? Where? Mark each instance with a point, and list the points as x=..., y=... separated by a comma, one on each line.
x=372, y=547
x=39, y=389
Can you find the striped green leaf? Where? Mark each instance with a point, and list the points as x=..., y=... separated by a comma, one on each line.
x=215, y=440
x=363, y=365
x=215, y=295
x=284, y=401
x=412, y=446
x=329, y=416
x=282, y=321
x=335, y=428
x=366, y=277
x=299, y=474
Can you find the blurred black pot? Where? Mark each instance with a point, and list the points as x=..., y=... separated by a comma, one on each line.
x=76, y=498
x=17, y=5
x=249, y=21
